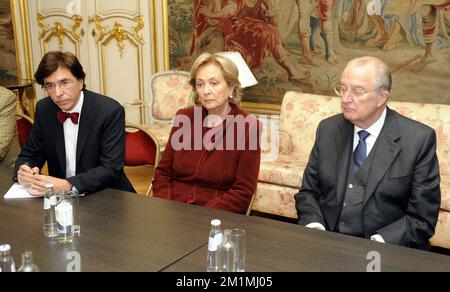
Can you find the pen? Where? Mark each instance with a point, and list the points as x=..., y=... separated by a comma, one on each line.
x=27, y=164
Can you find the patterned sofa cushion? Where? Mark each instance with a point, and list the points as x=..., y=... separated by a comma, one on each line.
x=442, y=232
x=300, y=115
x=287, y=170
x=445, y=192
x=275, y=199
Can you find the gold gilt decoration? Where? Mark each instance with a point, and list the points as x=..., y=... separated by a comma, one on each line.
x=59, y=31
x=77, y=20
x=97, y=20
x=140, y=25
x=119, y=35
x=117, y=32
x=44, y=30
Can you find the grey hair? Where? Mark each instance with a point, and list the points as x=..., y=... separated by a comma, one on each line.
x=383, y=78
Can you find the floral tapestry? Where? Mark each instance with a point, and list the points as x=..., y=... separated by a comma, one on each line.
x=8, y=65
x=303, y=45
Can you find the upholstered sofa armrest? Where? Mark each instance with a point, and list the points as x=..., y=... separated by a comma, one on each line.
x=285, y=142
x=275, y=143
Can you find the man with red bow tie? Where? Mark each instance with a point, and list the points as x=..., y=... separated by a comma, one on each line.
x=79, y=133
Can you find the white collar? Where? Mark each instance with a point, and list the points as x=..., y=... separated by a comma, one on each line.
x=376, y=127
x=79, y=106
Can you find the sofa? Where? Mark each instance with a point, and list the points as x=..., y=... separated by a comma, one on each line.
x=280, y=178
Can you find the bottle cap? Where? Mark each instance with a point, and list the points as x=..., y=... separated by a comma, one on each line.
x=49, y=186
x=5, y=248
x=215, y=222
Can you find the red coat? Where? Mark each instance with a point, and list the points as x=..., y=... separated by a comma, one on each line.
x=219, y=179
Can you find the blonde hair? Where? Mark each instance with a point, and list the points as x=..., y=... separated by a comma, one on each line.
x=229, y=70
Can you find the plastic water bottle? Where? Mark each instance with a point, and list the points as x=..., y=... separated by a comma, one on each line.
x=226, y=253
x=64, y=218
x=215, y=239
x=27, y=263
x=50, y=225
x=6, y=259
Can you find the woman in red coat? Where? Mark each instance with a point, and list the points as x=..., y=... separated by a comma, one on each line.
x=213, y=154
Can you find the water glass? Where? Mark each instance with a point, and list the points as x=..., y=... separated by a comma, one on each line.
x=238, y=238
x=76, y=211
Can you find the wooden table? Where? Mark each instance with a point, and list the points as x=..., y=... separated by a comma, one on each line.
x=122, y=231
x=279, y=246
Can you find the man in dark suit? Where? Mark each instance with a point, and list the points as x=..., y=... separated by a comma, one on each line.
x=372, y=173
x=79, y=133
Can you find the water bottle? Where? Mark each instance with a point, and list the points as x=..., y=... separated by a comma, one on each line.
x=27, y=263
x=6, y=259
x=215, y=239
x=50, y=225
x=64, y=218
x=226, y=253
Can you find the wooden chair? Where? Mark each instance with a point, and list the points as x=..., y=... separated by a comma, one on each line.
x=141, y=149
x=249, y=209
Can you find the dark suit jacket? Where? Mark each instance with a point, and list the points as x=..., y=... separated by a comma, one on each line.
x=100, y=154
x=402, y=193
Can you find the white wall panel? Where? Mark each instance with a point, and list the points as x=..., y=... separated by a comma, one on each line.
x=128, y=7
x=124, y=71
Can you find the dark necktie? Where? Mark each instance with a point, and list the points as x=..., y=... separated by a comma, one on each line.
x=360, y=151
x=63, y=116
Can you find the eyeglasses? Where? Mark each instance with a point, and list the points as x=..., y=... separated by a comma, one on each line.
x=63, y=84
x=354, y=91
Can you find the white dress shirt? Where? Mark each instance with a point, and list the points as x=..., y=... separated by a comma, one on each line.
x=374, y=132
x=71, y=138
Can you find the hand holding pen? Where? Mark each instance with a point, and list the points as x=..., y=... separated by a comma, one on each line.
x=26, y=174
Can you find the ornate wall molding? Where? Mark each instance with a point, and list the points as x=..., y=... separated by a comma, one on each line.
x=117, y=32
x=60, y=31
x=140, y=25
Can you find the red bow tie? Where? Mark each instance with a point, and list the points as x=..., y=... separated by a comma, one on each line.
x=63, y=116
